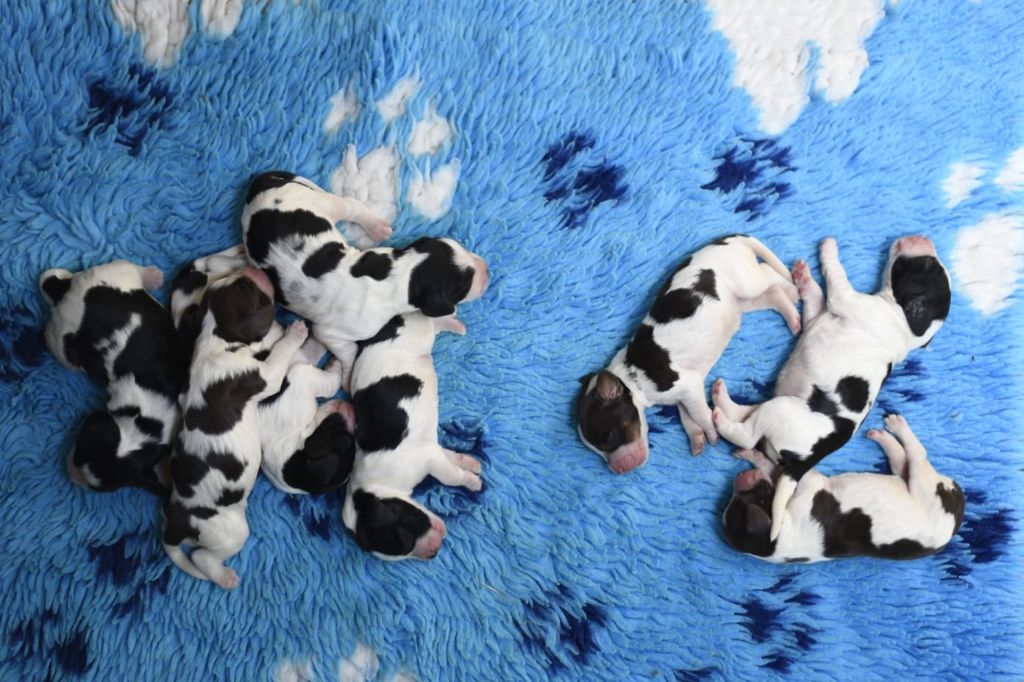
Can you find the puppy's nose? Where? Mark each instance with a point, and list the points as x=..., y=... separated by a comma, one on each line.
x=260, y=279
x=916, y=245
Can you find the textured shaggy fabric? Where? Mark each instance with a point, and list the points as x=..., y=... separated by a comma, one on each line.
x=590, y=146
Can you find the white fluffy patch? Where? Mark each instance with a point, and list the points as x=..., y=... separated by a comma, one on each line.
x=164, y=25
x=361, y=666
x=963, y=179
x=772, y=42
x=372, y=180
x=989, y=260
x=294, y=671
x=393, y=104
x=403, y=676
x=220, y=17
x=344, y=107
x=430, y=133
x=431, y=194
x=1011, y=177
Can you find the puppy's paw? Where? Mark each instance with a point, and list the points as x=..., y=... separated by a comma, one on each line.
x=152, y=278
x=470, y=464
x=228, y=580
x=793, y=322
x=473, y=482
x=829, y=249
x=712, y=436
x=312, y=350
x=697, y=444
x=335, y=366
x=378, y=230
x=297, y=331
x=717, y=416
x=896, y=424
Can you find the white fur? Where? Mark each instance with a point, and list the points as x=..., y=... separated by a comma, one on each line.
x=695, y=343
x=392, y=105
x=164, y=25
x=854, y=334
x=220, y=17
x=1011, y=177
x=394, y=473
x=430, y=194
x=430, y=133
x=989, y=260
x=344, y=107
x=361, y=666
x=961, y=182
x=372, y=181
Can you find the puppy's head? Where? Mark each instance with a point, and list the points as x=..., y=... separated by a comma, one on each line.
x=449, y=275
x=119, y=274
x=748, y=517
x=242, y=306
x=325, y=460
x=393, y=528
x=109, y=454
x=920, y=284
x=610, y=422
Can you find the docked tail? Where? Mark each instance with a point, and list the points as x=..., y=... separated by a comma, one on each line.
x=765, y=254
x=183, y=562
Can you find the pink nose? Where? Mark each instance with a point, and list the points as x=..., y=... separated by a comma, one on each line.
x=628, y=457
x=914, y=246
x=260, y=279
x=747, y=480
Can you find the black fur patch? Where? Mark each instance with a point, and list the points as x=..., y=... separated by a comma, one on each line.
x=262, y=355
x=797, y=560
x=324, y=462
x=55, y=288
x=96, y=447
x=270, y=225
x=225, y=401
x=178, y=521
x=748, y=520
x=653, y=360
x=189, y=279
x=387, y=332
x=607, y=424
x=187, y=470
x=388, y=526
x=952, y=502
x=853, y=391
x=373, y=265
x=380, y=423
x=275, y=281
x=153, y=428
x=229, y=496
x=436, y=284
x=722, y=241
x=705, y=284
x=848, y=534
x=270, y=400
x=242, y=311
x=324, y=260
x=921, y=287
x=842, y=431
x=268, y=180
x=820, y=402
x=227, y=464
x=126, y=411
x=677, y=304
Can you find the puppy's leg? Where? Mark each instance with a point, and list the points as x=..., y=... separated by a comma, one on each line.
x=219, y=264
x=810, y=292
x=276, y=366
x=354, y=211
x=470, y=464
x=344, y=352
x=759, y=460
x=310, y=352
x=839, y=288
x=893, y=451
x=778, y=298
x=450, y=468
x=449, y=323
x=720, y=398
x=234, y=531
x=689, y=391
x=318, y=383
x=774, y=419
x=693, y=431
x=920, y=475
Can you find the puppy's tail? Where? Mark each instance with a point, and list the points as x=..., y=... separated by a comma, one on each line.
x=183, y=562
x=765, y=254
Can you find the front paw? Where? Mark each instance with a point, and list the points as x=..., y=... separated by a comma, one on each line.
x=473, y=482
x=829, y=249
x=378, y=230
x=297, y=332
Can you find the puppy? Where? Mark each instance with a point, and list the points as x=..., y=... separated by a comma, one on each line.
x=217, y=452
x=691, y=322
x=289, y=231
x=912, y=513
x=105, y=323
x=394, y=390
x=849, y=345
x=307, y=448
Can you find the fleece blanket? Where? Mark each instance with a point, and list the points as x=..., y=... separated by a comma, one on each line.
x=584, y=149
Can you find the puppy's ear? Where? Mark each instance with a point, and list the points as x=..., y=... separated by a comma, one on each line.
x=609, y=386
x=758, y=522
x=585, y=379
x=433, y=304
x=54, y=284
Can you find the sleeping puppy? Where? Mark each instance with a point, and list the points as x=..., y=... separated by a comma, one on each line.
x=105, y=323
x=394, y=390
x=912, y=513
x=307, y=448
x=217, y=452
x=849, y=345
x=289, y=231
x=691, y=322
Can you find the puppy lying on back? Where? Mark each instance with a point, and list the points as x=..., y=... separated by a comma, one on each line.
x=307, y=448
x=217, y=452
x=848, y=347
x=691, y=322
x=394, y=389
x=289, y=229
x=105, y=323
x=912, y=513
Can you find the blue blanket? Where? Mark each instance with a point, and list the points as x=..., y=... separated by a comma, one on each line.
x=598, y=143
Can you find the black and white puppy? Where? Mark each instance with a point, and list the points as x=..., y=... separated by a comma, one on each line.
x=307, y=448
x=217, y=453
x=691, y=322
x=105, y=323
x=911, y=513
x=394, y=390
x=848, y=347
x=289, y=231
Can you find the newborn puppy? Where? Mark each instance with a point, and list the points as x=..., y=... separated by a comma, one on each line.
x=105, y=323
x=307, y=448
x=394, y=390
x=217, y=452
x=289, y=228
x=691, y=322
x=847, y=350
x=912, y=513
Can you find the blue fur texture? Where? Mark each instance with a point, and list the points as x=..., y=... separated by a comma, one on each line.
x=600, y=143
